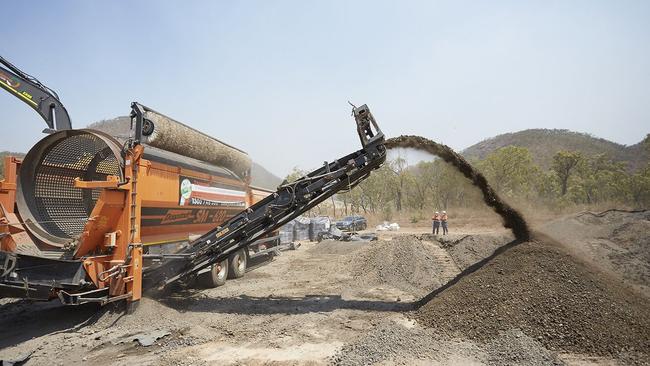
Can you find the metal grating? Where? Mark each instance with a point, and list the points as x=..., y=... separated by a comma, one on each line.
x=60, y=208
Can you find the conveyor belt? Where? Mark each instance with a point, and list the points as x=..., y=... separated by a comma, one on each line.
x=289, y=201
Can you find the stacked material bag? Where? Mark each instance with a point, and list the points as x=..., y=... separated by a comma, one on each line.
x=301, y=228
x=286, y=232
x=317, y=225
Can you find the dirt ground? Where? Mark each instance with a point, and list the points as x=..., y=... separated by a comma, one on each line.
x=614, y=242
x=567, y=297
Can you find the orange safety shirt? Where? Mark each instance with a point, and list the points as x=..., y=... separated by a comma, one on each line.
x=444, y=217
x=436, y=218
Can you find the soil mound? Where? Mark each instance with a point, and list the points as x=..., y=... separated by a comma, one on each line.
x=469, y=249
x=541, y=289
x=512, y=219
x=615, y=241
x=406, y=263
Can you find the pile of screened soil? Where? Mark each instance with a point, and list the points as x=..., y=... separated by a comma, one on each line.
x=616, y=241
x=405, y=263
x=469, y=249
x=553, y=297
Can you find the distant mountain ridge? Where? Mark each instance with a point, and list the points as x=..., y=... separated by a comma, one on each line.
x=544, y=143
x=262, y=178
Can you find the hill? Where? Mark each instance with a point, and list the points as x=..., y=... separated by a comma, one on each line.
x=262, y=178
x=544, y=143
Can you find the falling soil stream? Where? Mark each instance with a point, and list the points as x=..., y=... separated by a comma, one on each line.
x=512, y=219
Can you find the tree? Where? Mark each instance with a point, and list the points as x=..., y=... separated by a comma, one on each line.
x=399, y=168
x=356, y=199
x=437, y=185
x=377, y=191
x=600, y=179
x=295, y=174
x=564, y=165
x=449, y=187
x=510, y=170
x=421, y=183
x=639, y=188
x=546, y=187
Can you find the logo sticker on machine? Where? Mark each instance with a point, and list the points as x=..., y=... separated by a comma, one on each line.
x=195, y=192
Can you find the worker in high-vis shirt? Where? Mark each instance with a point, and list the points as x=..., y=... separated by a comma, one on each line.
x=436, y=222
x=443, y=222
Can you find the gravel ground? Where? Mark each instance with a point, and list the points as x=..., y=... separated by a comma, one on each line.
x=615, y=242
x=405, y=262
x=514, y=347
x=354, y=304
x=390, y=341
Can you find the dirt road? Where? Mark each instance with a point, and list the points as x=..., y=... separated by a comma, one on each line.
x=343, y=303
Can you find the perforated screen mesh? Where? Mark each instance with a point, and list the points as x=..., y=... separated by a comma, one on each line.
x=60, y=208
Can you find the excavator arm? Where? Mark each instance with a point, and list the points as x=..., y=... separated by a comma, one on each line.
x=36, y=95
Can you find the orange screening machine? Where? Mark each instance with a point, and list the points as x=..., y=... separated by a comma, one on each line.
x=101, y=203
x=83, y=194
x=95, y=216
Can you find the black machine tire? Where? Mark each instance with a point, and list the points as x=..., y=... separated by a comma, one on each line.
x=216, y=276
x=237, y=264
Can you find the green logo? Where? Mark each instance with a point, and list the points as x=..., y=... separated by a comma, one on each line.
x=186, y=188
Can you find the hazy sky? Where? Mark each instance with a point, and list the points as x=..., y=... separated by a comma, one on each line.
x=274, y=77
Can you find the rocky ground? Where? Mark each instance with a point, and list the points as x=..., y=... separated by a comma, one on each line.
x=614, y=242
x=406, y=300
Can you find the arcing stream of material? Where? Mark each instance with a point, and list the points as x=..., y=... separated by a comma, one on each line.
x=512, y=219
